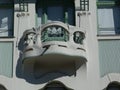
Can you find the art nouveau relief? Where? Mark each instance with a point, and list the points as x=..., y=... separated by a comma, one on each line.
x=51, y=47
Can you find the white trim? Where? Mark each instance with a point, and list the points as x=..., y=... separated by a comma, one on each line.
x=6, y=39
x=108, y=37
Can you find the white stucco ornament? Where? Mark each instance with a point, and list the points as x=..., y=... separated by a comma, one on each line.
x=55, y=41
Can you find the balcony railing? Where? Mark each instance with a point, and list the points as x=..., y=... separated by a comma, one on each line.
x=54, y=33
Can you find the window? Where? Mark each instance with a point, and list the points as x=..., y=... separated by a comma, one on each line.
x=6, y=18
x=108, y=17
x=109, y=56
x=23, y=6
x=6, y=58
x=55, y=10
x=84, y=5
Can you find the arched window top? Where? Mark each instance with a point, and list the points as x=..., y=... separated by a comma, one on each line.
x=55, y=84
x=2, y=87
x=113, y=86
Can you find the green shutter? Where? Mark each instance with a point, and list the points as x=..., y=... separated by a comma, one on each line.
x=109, y=56
x=6, y=58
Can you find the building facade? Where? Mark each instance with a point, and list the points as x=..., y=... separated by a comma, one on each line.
x=59, y=45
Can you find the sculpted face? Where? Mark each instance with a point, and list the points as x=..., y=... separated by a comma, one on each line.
x=30, y=39
x=78, y=37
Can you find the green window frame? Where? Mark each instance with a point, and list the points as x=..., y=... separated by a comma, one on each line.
x=107, y=3
x=7, y=7
x=43, y=4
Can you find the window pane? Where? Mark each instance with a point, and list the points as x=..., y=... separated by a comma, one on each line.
x=109, y=56
x=54, y=10
x=6, y=49
x=6, y=22
x=39, y=16
x=109, y=20
x=6, y=1
x=71, y=16
x=55, y=13
x=84, y=5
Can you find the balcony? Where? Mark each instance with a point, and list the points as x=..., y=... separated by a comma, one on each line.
x=55, y=44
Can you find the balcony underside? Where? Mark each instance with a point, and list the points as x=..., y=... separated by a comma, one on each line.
x=55, y=58
x=53, y=63
x=54, y=55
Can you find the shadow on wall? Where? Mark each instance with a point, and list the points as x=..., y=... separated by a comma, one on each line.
x=41, y=71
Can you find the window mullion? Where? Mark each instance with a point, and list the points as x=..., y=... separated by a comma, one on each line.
x=65, y=12
x=44, y=15
x=84, y=5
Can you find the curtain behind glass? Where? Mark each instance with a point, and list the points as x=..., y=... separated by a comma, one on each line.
x=109, y=20
x=6, y=22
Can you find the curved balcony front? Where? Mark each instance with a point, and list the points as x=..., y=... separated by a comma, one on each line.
x=55, y=43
